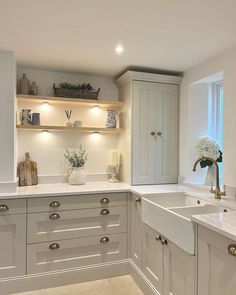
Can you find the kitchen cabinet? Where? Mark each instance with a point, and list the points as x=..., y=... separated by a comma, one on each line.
x=136, y=230
x=216, y=263
x=12, y=238
x=179, y=271
x=153, y=258
x=150, y=117
x=155, y=129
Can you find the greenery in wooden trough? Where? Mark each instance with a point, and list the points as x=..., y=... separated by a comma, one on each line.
x=84, y=86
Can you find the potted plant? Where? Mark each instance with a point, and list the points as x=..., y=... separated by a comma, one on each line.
x=208, y=147
x=76, y=161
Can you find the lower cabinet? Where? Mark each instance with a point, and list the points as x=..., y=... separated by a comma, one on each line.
x=179, y=271
x=216, y=263
x=153, y=253
x=12, y=245
x=168, y=268
x=49, y=256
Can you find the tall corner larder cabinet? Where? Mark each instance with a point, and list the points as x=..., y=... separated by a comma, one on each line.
x=151, y=104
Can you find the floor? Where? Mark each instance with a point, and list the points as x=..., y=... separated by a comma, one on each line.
x=123, y=285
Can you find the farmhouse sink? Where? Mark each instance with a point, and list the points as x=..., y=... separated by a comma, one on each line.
x=170, y=215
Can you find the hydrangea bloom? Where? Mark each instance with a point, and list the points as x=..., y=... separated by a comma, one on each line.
x=207, y=147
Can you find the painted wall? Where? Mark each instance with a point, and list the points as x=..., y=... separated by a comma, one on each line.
x=7, y=122
x=47, y=149
x=225, y=62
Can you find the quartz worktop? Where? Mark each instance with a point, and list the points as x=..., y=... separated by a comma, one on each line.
x=224, y=223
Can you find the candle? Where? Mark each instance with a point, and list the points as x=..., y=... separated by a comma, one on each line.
x=114, y=158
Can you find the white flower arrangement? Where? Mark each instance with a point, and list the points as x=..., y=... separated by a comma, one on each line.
x=208, y=147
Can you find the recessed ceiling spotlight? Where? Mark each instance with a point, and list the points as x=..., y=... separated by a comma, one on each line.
x=119, y=49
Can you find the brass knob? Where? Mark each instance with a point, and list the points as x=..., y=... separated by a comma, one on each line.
x=153, y=133
x=104, y=201
x=54, y=216
x=159, y=133
x=158, y=238
x=164, y=241
x=232, y=249
x=104, y=212
x=54, y=246
x=104, y=240
x=137, y=200
x=4, y=208
x=54, y=204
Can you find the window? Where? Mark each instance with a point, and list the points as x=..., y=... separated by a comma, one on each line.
x=215, y=116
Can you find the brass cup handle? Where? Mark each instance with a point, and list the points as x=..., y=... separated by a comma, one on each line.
x=105, y=212
x=104, y=201
x=54, y=216
x=54, y=204
x=3, y=208
x=104, y=240
x=54, y=246
x=232, y=249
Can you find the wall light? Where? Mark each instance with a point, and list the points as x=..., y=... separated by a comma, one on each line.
x=45, y=105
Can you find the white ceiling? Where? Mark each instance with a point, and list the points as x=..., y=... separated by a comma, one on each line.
x=80, y=35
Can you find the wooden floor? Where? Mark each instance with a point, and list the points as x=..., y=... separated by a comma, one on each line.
x=123, y=285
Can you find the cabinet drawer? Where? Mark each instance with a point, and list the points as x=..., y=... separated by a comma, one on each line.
x=48, y=226
x=76, y=202
x=44, y=257
x=16, y=206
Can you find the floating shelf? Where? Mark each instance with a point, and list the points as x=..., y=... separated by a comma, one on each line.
x=105, y=104
x=71, y=129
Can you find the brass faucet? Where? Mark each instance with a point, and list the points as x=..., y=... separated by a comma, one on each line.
x=218, y=193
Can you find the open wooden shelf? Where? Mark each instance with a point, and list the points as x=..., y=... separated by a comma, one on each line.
x=105, y=104
x=71, y=129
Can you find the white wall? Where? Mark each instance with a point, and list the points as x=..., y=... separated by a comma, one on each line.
x=225, y=62
x=45, y=79
x=197, y=125
x=47, y=149
x=7, y=121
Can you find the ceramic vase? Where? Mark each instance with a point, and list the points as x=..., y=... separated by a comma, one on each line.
x=112, y=119
x=77, y=176
x=210, y=176
x=34, y=89
x=24, y=85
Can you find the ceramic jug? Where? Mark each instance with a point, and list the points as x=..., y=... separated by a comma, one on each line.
x=25, y=117
x=24, y=85
x=77, y=176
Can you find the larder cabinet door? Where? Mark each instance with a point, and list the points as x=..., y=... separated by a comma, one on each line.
x=136, y=230
x=167, y=133
x=144, y=125
x=179, y=271
x=12, y=245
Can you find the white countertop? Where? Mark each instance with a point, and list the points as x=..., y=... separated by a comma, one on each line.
x=224, y=223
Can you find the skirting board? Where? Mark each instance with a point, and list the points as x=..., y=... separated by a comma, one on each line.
x=77, y=275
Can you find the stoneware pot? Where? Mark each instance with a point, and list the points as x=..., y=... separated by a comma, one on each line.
x=77, y=175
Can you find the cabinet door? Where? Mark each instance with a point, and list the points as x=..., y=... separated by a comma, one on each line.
x=167, y=133
x=153, y=254
x=136, y=230
x=143, y=143
x=216, y=267
x=12, y=245
x=179, y=271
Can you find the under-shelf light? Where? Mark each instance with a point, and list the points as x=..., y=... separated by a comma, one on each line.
x=45, y=105
x=45, y=131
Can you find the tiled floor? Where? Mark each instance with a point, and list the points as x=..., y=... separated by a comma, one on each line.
x=124, y=285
